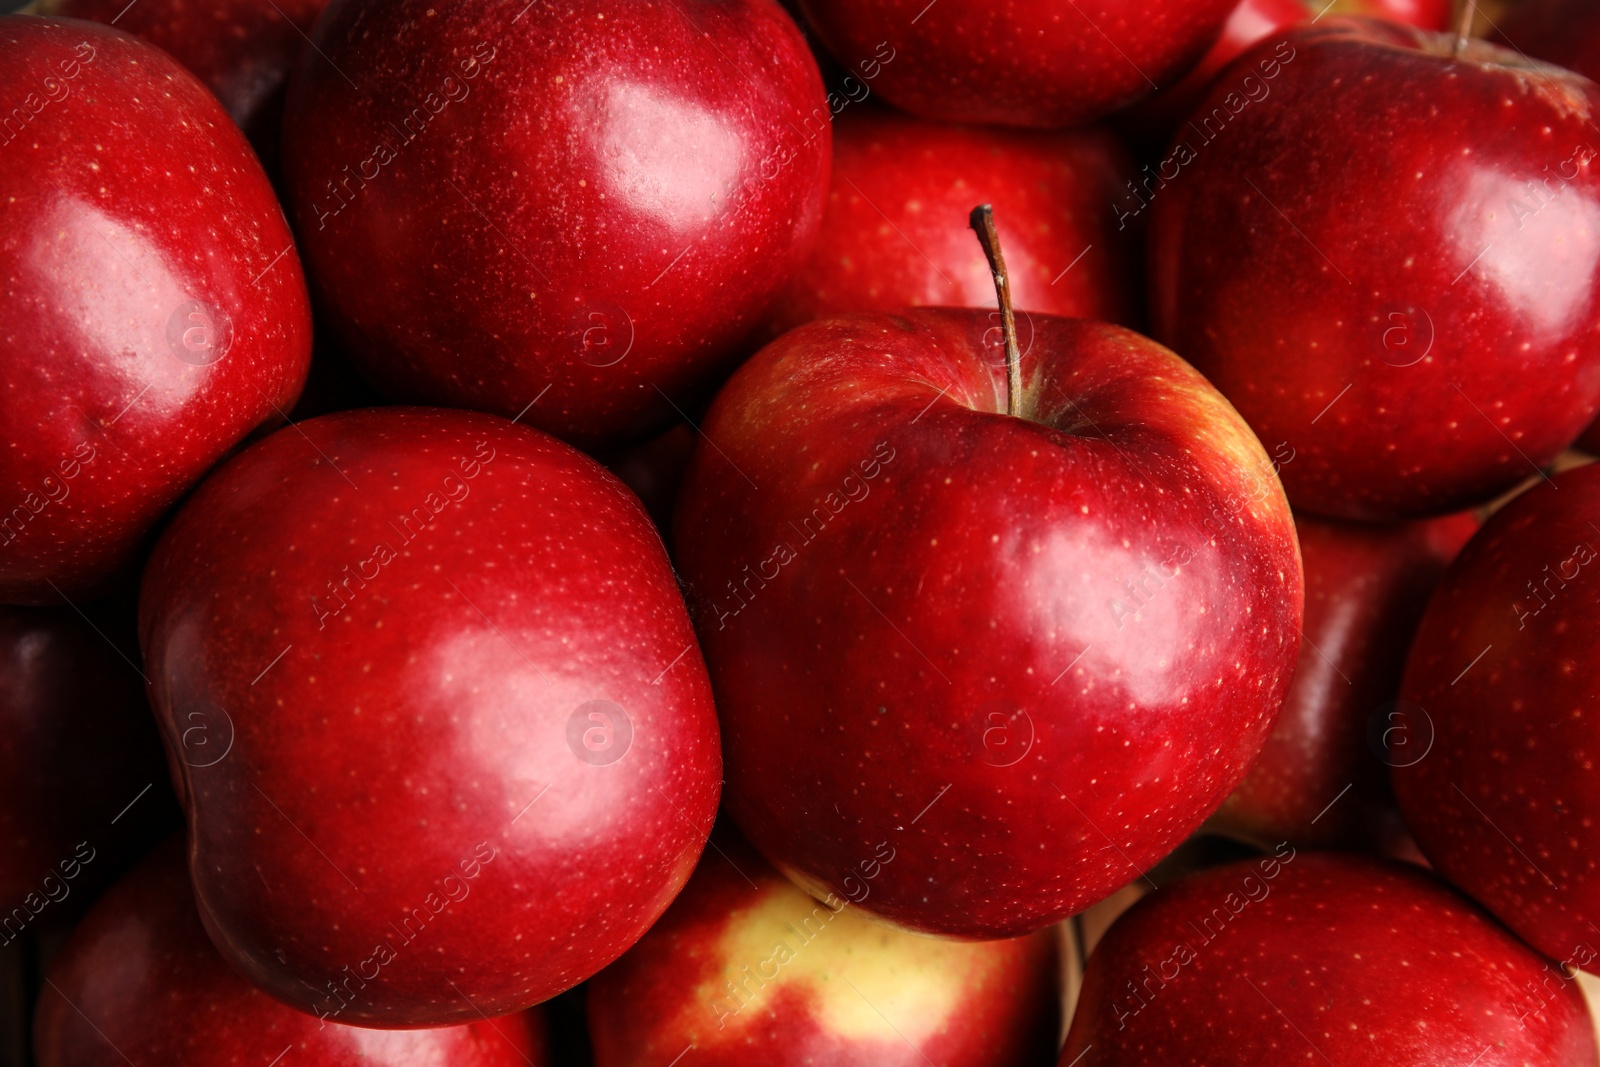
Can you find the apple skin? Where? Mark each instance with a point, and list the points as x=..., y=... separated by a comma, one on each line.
x=430, y=689
x=700, y=977
x=1017, y=62
x=1354, y=960
x=1153, y=120
x=139, y=979
x=83, y=782
x=1427, y=362
x=604, y=203
x=242, y=49
x=120, y=271
x=904, y=640
x=1565, y=32
x=895, y=232
x=1366, y=589
x=1506, y=800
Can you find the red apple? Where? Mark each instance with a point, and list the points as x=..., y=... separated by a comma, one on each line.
x=1026, y=656
x=1322, y=780
x=1306, y=958
x=242, y=49
x=1155, y=118
x=1021, y=62
x=140, y=983
x=582, y=207
x=745, y=968
x=1442, y=369
x=895, y=233
x=155, y=307
x=1506, y=804
x=83, y=787
x=474, y=752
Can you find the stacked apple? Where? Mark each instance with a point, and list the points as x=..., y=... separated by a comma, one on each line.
x=933, y=614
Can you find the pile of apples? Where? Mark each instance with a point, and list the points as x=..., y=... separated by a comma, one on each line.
x=675, y=533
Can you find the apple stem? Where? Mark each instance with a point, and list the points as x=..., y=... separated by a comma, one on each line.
x=1465, y=12
x=982, y=221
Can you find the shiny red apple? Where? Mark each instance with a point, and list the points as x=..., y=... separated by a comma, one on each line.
x=573, y=213
x=1435, y=371
x=1506, y=804
x=140, y=983
x=155, y=309
x=1017, y=62
x=1308, y=958
x=473, y=751
x=1322, y=780
x=745, y=968
x=242, y=49
x=83, y=785
x=1025, y=655
x=895, y=234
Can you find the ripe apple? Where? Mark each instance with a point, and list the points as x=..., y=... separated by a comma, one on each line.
x=155, y=307
x=1565, y=32
x=140, y=983
x=1154, y=118
x=746, y=968
x=1026, y=656
x=1443, y=370
x=83, y=785
x=1505, y=805
x=894, y=233
x=1307, y=958
x=1018, y=63
x=1322, y=779
x=474, y=752
x=242, y=49
x=581, y=207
